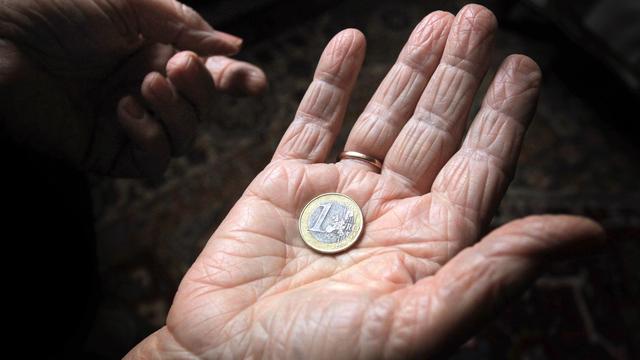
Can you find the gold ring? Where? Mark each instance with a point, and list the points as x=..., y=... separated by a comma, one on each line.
x=362, y=157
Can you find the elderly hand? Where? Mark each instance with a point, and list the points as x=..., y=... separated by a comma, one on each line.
x=114, y=87
x=422, y=278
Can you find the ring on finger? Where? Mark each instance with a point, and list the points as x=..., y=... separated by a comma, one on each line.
x=354, y=155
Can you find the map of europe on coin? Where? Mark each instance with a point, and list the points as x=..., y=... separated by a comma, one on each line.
x=331, y=222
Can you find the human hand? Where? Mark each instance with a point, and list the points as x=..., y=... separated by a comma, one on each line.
x=422, y=278
x=114, y=87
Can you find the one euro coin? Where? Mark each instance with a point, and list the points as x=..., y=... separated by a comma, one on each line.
x=331, y=223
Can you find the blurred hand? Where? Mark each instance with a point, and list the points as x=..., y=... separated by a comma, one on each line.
x=113, y=86
x=422, y=278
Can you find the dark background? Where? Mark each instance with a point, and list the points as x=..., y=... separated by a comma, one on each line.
x=580, y=157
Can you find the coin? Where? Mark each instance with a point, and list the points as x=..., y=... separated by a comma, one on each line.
x=330, y=223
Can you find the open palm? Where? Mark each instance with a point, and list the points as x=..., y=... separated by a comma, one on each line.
x=406, y=287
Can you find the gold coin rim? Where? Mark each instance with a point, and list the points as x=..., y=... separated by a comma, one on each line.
x=318, y=246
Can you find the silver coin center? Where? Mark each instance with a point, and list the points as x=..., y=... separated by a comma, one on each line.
x=331, y=222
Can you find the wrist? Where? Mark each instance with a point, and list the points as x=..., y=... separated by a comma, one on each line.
x=159, y=345
x=147, y=349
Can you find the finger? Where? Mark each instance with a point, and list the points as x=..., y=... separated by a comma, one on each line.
x=319, y=118
x=476, y=177
x=148, y=152
x=434, y=131
x=178, y=115
x=477, y=283
x=191, y=78
x=236, y=77
x=130, y=74
x=395, y=100
x=171, y=22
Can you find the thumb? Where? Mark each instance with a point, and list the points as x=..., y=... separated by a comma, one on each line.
x=171, y=22
x=477, y=283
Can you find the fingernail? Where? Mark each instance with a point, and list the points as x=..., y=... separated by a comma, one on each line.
x=161, y=91
x=239, y=43
x=132, y=108
x=232, y=40
x=257, y=83
x=179, y=61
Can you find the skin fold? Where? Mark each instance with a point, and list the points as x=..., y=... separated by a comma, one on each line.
x=114, y=87
x=424, y=276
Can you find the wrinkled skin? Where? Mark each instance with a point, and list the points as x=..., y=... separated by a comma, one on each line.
x=113, y=86
x=422, y=278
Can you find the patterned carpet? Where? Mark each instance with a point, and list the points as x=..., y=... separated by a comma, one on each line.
x=575, y=160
